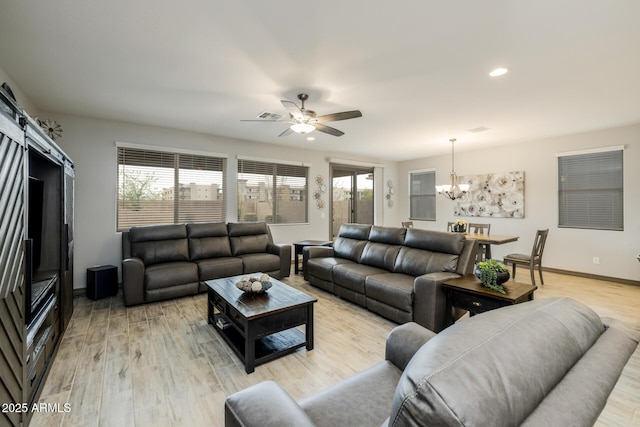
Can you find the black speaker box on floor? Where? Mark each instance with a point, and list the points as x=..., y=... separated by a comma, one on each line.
x=102, y=281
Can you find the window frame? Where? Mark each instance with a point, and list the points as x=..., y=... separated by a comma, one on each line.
x=606, y=178
x=175, y=160
x=276, y=170
x=432, y=196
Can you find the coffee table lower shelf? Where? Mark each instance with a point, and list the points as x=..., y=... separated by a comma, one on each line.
x=267, y=348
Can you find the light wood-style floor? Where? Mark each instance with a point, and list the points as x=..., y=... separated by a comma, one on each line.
x=162, y=365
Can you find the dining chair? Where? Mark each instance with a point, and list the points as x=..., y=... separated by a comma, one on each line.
x=407, y=224
x=480, y=228
x=450, y=226
x=532, y=260
x=484, y=249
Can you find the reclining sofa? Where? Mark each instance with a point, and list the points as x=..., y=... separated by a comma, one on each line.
x=548, y=362
x=394, y=272
x=168, y=261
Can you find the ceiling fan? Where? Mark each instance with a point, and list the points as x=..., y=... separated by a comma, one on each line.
x=304, y=121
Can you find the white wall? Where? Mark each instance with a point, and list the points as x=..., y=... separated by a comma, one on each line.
x=91, y=145
x=22, y=99
x=567, y=249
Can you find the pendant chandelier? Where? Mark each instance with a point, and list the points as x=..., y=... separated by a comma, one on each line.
x=453, y=191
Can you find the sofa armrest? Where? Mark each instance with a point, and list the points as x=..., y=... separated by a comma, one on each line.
x=284, y=252
x=317, y=252
x=309, y=252
x=133, y=281
x=404, y=341
x=266, y=405
x=430, y=300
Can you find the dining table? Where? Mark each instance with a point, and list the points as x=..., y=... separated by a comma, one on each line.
x=487, y=240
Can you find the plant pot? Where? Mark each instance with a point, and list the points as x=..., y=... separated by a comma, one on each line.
x=501, y=277
x=459, y=228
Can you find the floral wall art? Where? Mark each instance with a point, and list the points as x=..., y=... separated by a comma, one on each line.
x=498, y=195
x=317, y=195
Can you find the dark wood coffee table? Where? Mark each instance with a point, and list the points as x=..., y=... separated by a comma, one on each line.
x=467, y=293
x=260, y=327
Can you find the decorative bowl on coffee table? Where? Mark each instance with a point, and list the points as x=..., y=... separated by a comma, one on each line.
x=254, y=285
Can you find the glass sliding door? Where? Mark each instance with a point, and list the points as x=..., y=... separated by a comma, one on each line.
x=351, y=196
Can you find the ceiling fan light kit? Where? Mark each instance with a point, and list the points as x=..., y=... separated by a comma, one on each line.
x=303, y=128
x=454, y=190
x=304, y=121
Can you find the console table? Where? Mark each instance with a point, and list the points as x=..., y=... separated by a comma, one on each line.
x=298, y=246
x=467, y=293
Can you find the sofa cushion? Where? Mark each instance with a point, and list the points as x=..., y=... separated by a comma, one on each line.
x=393, y=289
x=416, y=262
x=361, y=400
x=157, y=232
x=389, y=235
x=215, y=268
x=380, y=255
x=208, y=240
x=322, y=268
x=351, y=240
x=348, y=248
x=435, y=241
x=247, y=228
x=169, y=274
x=352, y=276
x=355, y=231
x=248, y=238
x=259, y=262
x=159, y=243
x=495, y=370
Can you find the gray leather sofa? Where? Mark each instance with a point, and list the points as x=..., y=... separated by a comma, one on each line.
x=548, y=362
x=168, y=261
x=395, y=272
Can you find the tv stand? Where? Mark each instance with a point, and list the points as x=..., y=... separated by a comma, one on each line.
x=36, y=262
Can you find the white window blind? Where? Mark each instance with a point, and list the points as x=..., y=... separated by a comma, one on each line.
x=591, y=191
x=272, y=192
x=156, y=187
x=422, y=195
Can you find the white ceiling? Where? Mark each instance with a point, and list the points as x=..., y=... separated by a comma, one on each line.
x=418, y=70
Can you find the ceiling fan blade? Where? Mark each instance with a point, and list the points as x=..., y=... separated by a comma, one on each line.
x=328, y=129
x=286, y=132
x=264, y=120
x=294, y=110
x=339, y=116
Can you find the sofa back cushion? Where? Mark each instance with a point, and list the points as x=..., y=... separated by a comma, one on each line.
x=208, y=240
x=435, y=241
x=427, y=251
x=351, y=240
x=383, y=246
x=156, y=244
x=248, y=237
x=495, y=368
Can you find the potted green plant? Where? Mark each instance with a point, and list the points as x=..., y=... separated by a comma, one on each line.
x=492, y=274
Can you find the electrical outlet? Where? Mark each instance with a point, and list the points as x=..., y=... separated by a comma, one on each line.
x=596, y=260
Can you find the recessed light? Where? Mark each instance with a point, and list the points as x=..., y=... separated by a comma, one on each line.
x=310, y=138
x=498, y=72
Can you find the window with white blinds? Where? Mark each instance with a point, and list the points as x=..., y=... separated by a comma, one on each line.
x=272, y=192
x=422, y=195
x=157, y=187
x=591, y=190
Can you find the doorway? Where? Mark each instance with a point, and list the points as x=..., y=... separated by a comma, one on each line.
x=351, y=196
